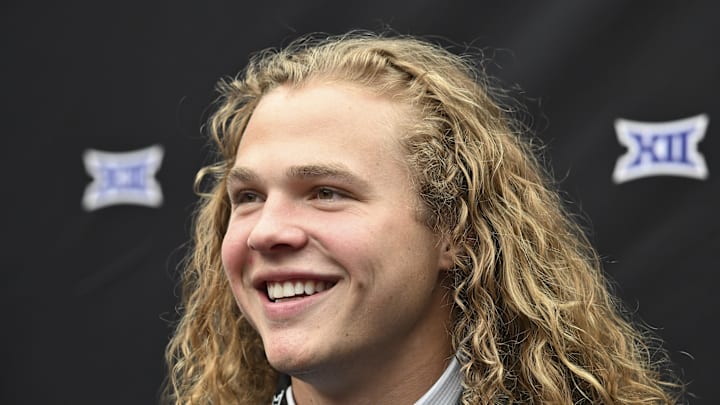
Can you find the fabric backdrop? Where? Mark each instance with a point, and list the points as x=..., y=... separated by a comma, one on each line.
x=91, y=294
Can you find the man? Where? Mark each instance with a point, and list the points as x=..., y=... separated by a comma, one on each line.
x=377, y=233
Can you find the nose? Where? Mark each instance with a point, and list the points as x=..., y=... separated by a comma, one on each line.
x=278, y=228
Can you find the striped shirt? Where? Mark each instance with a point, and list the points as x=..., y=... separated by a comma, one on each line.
x=446, y=390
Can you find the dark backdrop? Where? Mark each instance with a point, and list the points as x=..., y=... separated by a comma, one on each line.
x=89, y=294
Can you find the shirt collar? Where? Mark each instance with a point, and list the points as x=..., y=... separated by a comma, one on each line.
x=446, y=390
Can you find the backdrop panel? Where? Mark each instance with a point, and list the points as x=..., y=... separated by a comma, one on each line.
x=91, y=293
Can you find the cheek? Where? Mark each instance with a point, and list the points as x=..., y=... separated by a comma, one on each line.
x=234, y=254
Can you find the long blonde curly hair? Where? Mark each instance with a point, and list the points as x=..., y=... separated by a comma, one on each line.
x=533, y=321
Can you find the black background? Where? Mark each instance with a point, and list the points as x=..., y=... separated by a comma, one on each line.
x=89, y=295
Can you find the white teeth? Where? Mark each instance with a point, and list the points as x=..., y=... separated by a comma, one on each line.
x=287, y=289
x=299, y=288
x=309, y=288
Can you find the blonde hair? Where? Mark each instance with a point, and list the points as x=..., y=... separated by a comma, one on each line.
x=533, y=321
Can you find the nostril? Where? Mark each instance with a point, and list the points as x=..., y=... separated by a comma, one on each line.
x=276, y=235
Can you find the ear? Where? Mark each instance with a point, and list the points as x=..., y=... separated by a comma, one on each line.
x=446, y=257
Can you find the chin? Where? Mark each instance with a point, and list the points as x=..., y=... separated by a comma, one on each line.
x=290, y=359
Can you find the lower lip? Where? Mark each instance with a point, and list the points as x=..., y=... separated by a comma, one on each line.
x=289, y=309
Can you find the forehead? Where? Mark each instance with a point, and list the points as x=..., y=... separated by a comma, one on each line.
x=340, y=110
x=328, y=125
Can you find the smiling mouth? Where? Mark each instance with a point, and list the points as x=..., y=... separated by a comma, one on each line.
x=279, y=291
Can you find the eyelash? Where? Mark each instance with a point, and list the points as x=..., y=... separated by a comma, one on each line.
x=329, y=190
x=248, y=197
x=239, y=198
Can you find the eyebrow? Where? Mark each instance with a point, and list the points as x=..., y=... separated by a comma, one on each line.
x=337, y=171
x=241, y=175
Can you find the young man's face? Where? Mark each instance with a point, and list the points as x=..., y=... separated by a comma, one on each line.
x=322, y=202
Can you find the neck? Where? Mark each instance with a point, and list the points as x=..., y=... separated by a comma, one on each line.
x=401, y=382
x=386, y=375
